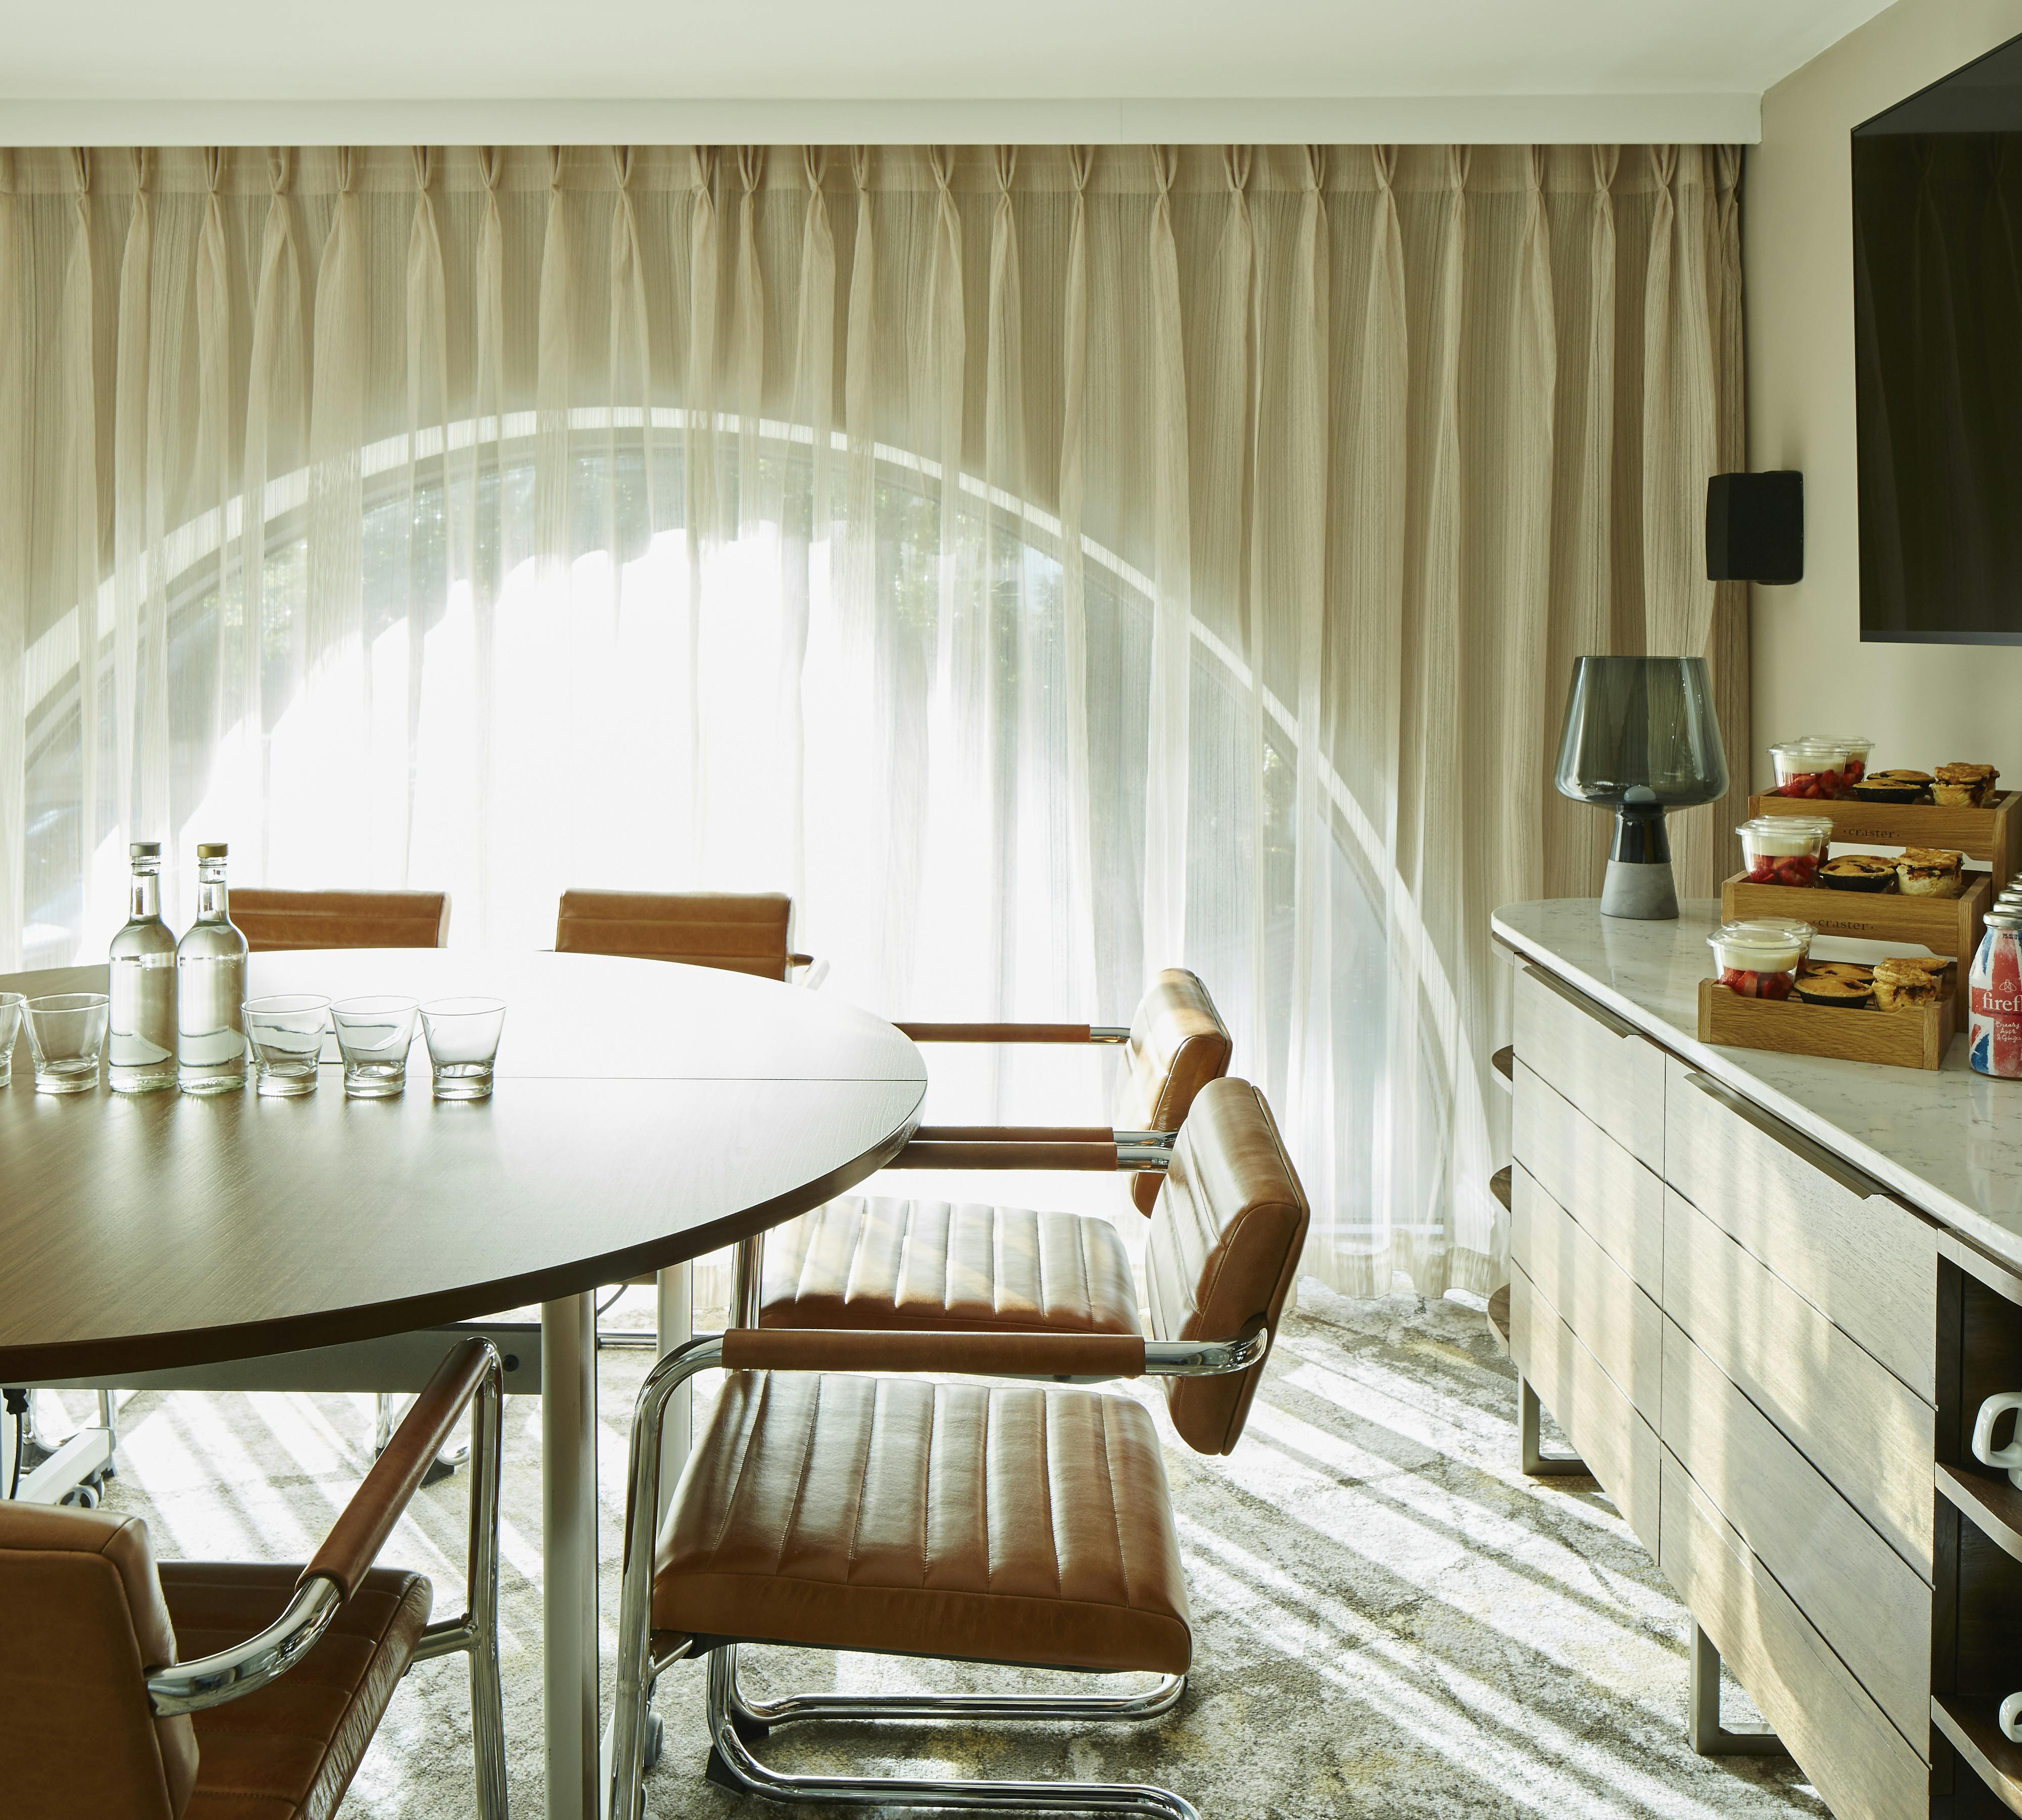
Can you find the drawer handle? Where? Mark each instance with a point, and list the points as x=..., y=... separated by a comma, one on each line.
x=1614, y=1026
x=1865, y=1187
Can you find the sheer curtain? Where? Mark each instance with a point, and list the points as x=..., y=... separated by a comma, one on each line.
x=1047, y=564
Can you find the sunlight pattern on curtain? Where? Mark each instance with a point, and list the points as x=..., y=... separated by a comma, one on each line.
x=1047, y=564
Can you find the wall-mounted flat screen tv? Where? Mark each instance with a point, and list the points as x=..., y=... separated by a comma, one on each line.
x=1937, y=252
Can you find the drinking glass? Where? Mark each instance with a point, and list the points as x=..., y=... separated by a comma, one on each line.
x=462, y=1037
x=374, y=1034
x=66, y=1031
x=286, y=1030
x=10, y=1028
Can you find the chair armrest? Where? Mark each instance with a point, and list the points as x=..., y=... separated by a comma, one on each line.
x=1043, y=1155
x=1014, y=1033
x=363, y=1525
x=996, y=1355
x=1014, y=1134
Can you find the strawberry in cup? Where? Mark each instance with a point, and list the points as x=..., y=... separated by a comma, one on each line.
x=1783, y=850
x=1816, y=768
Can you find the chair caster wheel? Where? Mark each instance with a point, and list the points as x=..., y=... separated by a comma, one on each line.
x=81, y=1497
x=656, y=1737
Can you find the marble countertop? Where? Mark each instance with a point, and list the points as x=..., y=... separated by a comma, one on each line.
x=1947, y=1140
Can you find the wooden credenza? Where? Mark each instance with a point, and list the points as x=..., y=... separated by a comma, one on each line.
x=1771, y=1363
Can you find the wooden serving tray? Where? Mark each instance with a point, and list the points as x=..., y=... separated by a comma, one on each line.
x=1993, y=834
x=1950, y=926
x=1915, y=1038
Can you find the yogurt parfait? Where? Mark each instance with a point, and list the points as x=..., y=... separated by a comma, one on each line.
x=1759, y=959
x=1783, y=850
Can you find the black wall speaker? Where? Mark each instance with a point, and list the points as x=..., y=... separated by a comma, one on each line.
x=1755, y=528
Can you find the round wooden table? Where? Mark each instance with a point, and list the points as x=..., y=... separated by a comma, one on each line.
x=643, y=1113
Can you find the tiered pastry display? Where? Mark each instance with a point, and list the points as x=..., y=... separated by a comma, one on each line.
x=1810, y=849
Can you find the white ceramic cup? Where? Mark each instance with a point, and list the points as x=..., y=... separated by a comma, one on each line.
x=2011, y=1718
x=2010, y=1457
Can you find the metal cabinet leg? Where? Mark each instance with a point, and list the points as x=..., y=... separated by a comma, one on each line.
x=1703, y=1730
x=1530, y=1421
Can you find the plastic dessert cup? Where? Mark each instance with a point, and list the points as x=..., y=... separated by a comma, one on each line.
x=1855, y=748
x=1759, y=959
x=1783, y=850
x=1815, y=769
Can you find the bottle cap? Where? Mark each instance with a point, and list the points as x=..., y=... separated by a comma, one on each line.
x=144, y=850
x=214, y=849
x=2004, y=919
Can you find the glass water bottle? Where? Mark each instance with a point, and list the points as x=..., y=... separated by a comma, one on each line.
x=141, y=1046
x=210, y=987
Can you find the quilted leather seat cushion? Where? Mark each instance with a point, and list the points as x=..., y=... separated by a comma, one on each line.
x=927, y=1264
x=1027, y=1525
x=289, y=1751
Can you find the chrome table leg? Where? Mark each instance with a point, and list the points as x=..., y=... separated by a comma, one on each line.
x=568, y=1548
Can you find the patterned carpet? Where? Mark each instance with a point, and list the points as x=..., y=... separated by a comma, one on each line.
x=1389, y=1619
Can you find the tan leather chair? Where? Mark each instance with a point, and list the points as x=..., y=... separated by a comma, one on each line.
x=750, y=933
x=1173, y=1047
x=881, y=1255
x=282, y=919
x=1029, y=1526
x=888, y=1263
x=220, y=1690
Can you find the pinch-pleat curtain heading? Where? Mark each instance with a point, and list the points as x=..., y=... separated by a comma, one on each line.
x=1047, y=563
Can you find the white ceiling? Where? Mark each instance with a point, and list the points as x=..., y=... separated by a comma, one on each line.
x=1077, y=64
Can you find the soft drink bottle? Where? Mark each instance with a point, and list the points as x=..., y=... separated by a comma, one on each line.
x=1994, y=1041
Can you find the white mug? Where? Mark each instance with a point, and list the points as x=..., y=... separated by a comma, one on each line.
x=2011, y=1718
x=1987, y=1454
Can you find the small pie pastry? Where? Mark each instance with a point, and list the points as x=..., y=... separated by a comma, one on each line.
x=1894, y=786
x=1844, y=969
x=1852, y=987
x=1859, y=872
x=1901, y=984
x=1964, y=786
x=1930, y=872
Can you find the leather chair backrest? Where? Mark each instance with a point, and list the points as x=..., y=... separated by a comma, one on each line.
x=1224, y=1248
x=750, y=933
x=81, y=1624
x=276, y=919
x=1178, y=1044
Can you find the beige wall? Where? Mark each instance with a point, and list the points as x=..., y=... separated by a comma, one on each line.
x=1924, y=703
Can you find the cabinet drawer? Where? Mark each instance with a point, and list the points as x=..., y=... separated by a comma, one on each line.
x=1620, y=1202
x=1619, y=1447
x=1854, y=1589
x=1856, y=1253
x=1860, y=1426
x=1608, y=1314
x=1612, y=1073
x=1854, y=1757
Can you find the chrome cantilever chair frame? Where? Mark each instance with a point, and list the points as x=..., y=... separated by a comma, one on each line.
x=638, y=1669
x=230, y=1674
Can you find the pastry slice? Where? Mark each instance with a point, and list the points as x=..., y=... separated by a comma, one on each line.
x=1930, y=872
x=1964, y=786
x=1902, y=983
x=1859, y=872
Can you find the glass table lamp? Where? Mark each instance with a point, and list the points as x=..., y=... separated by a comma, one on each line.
x=1641, y=736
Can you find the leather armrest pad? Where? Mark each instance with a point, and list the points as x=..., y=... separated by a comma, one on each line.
x=1037, y=1355
x=363, y=1525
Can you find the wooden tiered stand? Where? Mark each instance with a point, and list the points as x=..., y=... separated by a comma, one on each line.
x=1948, y=926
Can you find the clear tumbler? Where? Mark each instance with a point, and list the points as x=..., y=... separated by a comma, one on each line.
x=374, y=1034
x=462, y=1037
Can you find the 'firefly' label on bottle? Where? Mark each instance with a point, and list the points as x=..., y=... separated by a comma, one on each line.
x=1994, y=1035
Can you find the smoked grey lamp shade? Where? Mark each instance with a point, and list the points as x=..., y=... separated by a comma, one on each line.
x=1641, y=737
